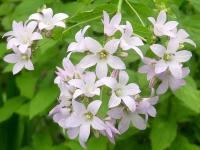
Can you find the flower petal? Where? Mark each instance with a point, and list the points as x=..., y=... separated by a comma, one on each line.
x=73, y=133
x=93, y=45
x=18, y=67
x=160, y=66
x=88, y=61
x=111, y=46
x=94, y=106
x=29, y=65
x=101, y=69
x=59, y=17
x=97, y=124
x=176, y=69
x=138, y=122
x=114, y=101
x=158, y=49
x=183, y=56
x=11, y=58
x=162, y=88
x=123, y=77
x=116, y=63
x=129, y=102
x=124, y=124
x=84, y=133
x=161, y=19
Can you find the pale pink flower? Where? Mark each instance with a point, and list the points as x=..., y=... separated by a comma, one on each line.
x=86, y=85
x=22, y=35
x=148, y=68
x=170, y=58
x=121, y=91
x=102, y=56
x=46, y=20
x=162, y=27
x=111, y=26
x=21, y=60
x=126, y=118
x=169, y=81
x=68, y=72
x=146, y=106
x=128, y=41
x=182, y=37
x=79, y=45
x=85, y=118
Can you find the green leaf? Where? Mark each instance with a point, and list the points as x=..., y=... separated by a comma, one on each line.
x=44, y=98
x=189, y=95
x=163, y=133
x=26, y=83
x=182, y=143
x=10, y=107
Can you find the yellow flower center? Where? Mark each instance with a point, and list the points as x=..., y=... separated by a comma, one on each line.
x=24, y=57
x=118, y=92
x=167, y=57
x=103, y=54
x=89, y=115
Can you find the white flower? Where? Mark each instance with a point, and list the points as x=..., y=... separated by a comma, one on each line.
x=169, y=81
x=128, y=41
x=79, y=45
x=102, y=56
x=121, y=91
x=66, y=91
x=146, y=106
x=46, y=19
x=170, y=58
x=161, y=27
x=111, y=26
x=61, y=111
x=85, y=119
x=126, y=118
x=21, y=60
x=22, y=35
x=86, y=85
x=68, y=72
x=182, y=37
x=148, y=68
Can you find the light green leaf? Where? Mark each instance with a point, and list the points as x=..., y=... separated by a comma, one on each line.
x=163, y=133
x=10, y=107
x=43, y=99
x=26, y=83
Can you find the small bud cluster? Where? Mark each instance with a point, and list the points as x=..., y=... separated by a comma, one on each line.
x=24, y=35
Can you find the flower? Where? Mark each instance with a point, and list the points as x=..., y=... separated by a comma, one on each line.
x=121, y=91
x=182, y=37
x=111, y=26
x=79, y=45
x=46, y=19
x=61, y=111
x=146, y=106
x=110, y=130
x=102, y=56
x=169, y=81
x=85, y=118
x=161, y=27
x=170, y=58
x=21, y=60
x=86, y=85
x=127, y=41
x=22, y=35
x=68, y=72
x=148, y=68
x=126, y=118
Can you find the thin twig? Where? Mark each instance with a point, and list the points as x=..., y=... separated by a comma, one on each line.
x=133, y=9
x=119, y=6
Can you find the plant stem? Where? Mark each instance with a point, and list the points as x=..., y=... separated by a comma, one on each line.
x=119, y=6
x=133, y=9
x=83, y=22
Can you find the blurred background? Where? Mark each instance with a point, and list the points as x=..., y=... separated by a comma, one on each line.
x=26, y=98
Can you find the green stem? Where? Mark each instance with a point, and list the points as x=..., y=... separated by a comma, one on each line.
x=83, y=22
x=133, y=9
x=119, y=6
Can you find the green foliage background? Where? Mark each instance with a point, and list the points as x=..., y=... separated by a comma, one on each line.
x=26, y=99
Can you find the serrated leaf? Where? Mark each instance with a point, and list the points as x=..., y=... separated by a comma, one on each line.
x=44, y=98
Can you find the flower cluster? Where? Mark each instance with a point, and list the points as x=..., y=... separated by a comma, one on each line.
x=25, y=34
x=81, y=85
x=167, y=69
